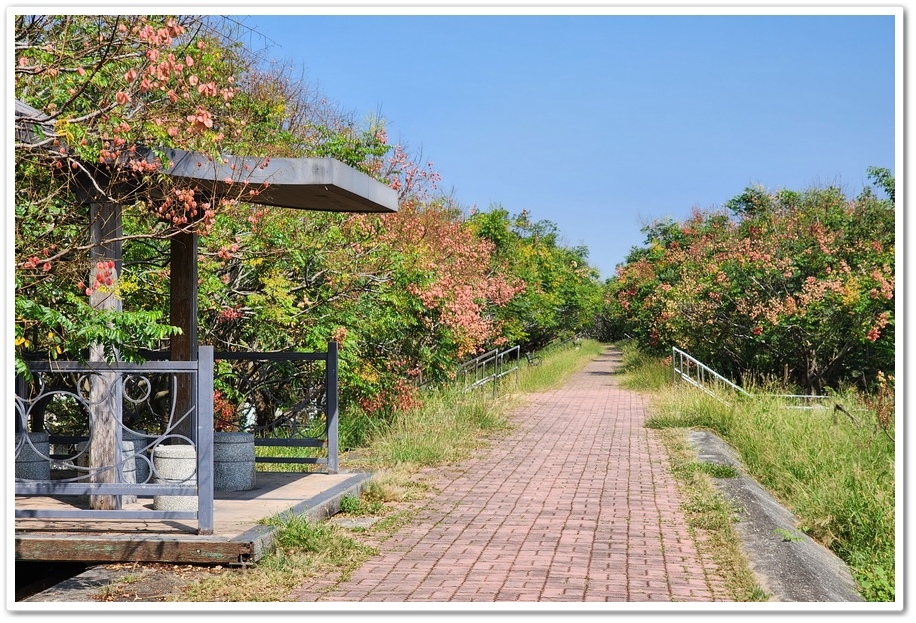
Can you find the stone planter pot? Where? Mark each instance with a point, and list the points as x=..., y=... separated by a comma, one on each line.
x=134, y=444
x=33, y=456
x=175, y=465
x=233, y=461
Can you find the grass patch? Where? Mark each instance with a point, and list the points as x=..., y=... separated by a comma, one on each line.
x=714, y=470
x=833, y=468
x=448, y=426
x=360, y=506
x=710, y=518
x=837, y=477
x=643, y=372
x=396, y=484
x=303, y=550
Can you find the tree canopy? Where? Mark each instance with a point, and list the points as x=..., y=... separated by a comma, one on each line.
x=790, y=285
x=407, y=295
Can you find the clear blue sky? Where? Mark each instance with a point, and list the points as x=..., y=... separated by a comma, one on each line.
x=604, y=123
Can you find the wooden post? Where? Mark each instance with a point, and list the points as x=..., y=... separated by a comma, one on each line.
x=183, y=314
x=105, y=393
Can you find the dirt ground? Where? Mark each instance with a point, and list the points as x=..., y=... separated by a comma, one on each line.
x=128, y=582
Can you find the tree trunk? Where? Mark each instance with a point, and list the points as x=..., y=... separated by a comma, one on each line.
x=183, y=314
x=105, y=395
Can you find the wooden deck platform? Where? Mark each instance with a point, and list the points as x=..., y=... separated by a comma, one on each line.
x=238, y=537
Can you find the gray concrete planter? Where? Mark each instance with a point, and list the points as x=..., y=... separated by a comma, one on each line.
x=175, y=465
x=33, y=456
x=233, y=461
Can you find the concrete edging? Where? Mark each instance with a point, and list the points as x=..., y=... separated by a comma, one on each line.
x=788, y=564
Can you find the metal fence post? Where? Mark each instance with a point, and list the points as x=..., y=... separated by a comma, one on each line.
x=332, y=415
x=205, y=440
x=22, y=396
x=497, y=370
x=673, y=365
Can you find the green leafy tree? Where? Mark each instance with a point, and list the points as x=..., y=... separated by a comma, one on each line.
x=562, y=292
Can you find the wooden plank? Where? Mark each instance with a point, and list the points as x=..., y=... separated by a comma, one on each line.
x=120, y=548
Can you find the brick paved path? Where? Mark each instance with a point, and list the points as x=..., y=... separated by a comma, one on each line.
x=577, y=505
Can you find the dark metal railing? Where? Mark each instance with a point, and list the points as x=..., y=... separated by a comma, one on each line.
x=284, y=401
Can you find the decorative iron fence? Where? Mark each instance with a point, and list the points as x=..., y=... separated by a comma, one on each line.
x=113, y=432
x=116, y=432
x=284, y=400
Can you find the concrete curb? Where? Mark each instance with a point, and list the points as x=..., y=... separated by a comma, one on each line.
x=319, y=507
x=788, y=564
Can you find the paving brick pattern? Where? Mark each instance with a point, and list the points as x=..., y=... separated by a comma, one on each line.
x=577, y=505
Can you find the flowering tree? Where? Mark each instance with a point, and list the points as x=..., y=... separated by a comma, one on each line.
x=111, y=92
x=792, y=285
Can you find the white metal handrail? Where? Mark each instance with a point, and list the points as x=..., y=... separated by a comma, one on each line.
x=489, y=367
x=701, y=376
x=704, y=378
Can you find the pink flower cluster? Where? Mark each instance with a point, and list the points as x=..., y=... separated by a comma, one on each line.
x=104, y=277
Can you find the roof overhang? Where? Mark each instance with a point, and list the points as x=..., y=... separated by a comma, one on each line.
x=322, y=184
